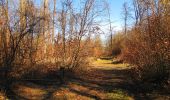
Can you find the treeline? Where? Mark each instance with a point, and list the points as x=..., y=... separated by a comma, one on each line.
x=33, y=36
x=146, y=44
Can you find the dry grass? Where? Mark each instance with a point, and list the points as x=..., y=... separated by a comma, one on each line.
x=107, y=65
x=78, y=92
x=29, y=91
x=74, y=90
x=104, y=81
x=66, y=94
x=118, y=95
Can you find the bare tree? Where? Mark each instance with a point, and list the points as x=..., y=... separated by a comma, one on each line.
x=27, y=34
x=17, y=33
x=110, y=26
x=125, y=16
x=54, y=16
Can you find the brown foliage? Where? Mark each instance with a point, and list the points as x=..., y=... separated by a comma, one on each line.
x=147, y=48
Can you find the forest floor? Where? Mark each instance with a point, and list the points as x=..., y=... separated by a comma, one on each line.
x=103, y=81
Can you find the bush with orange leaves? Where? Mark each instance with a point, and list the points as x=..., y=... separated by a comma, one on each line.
x=147, y=48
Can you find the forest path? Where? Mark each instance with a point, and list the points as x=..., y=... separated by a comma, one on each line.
x=103, y=81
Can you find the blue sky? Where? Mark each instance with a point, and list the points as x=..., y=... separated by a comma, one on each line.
x=116, y=17
x=115, y=11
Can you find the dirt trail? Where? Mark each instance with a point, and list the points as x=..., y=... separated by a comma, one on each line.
x=104, y=81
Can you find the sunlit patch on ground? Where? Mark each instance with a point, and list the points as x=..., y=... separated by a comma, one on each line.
x=75, y=91
x=29, y=91
x=2, y=96
x=118, y=95
x=67, y=94
x=87, y=91
x=107, y=64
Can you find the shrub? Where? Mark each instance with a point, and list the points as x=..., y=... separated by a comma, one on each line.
x=148, y=51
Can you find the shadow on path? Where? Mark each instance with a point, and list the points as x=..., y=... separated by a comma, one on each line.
x=115, y=79
x=95, y=84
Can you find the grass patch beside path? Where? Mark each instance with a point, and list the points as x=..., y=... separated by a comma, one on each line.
x=118, y=95
x=107, y=64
